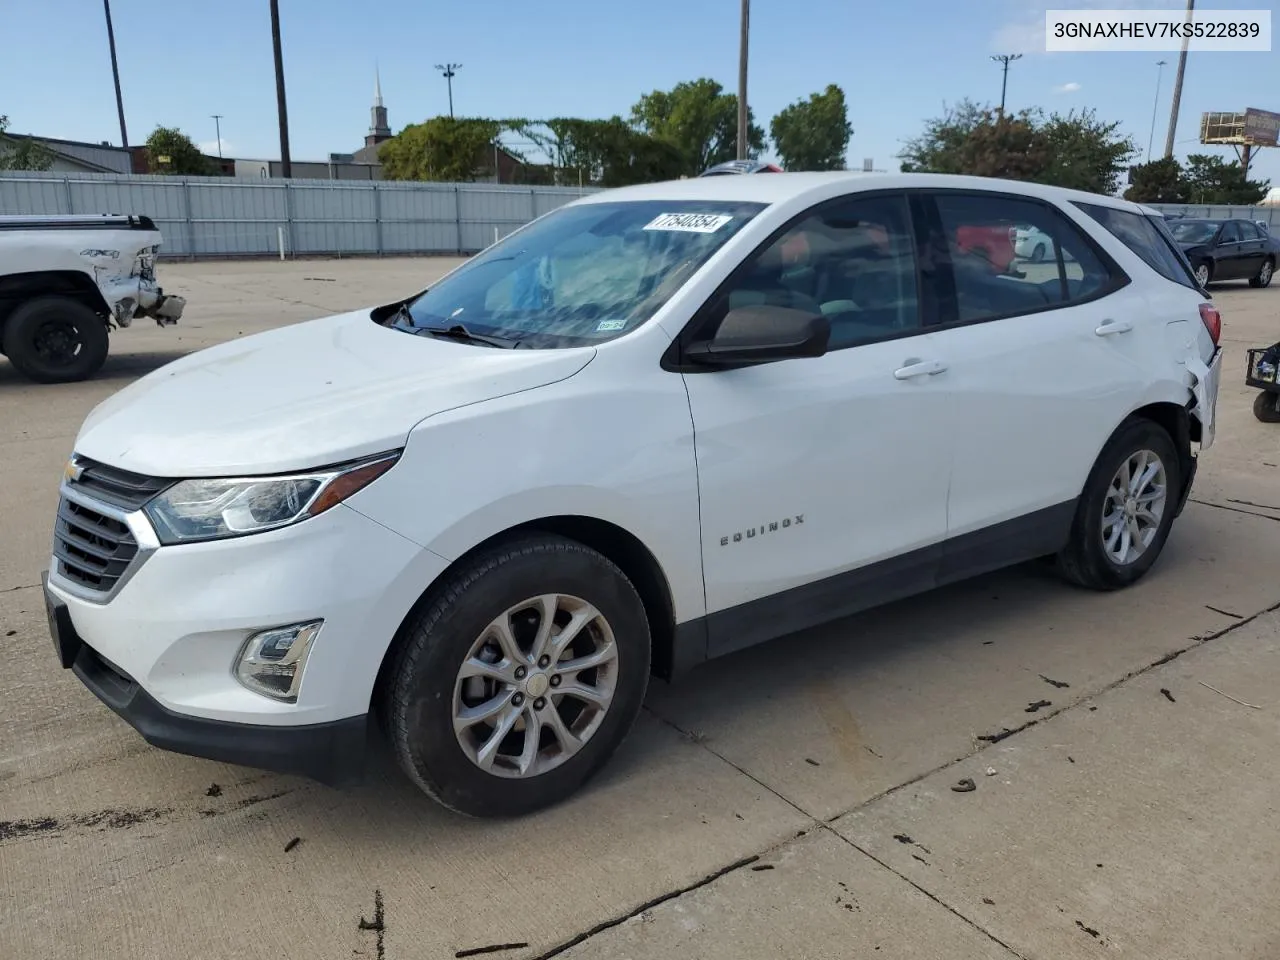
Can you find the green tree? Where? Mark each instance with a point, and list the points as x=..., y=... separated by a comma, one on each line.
x=442, y=149
x=1160, y=181
x=25, y=154
x=699, y=119
x=1209, y=180
x=1085, y=153
x=169, y=150
x=607, y=153
x=1076, y=151
x=813, y=134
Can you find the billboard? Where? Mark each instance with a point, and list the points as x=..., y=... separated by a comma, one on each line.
x=1261, y=126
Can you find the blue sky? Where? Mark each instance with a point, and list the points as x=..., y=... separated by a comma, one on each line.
x=898, y=62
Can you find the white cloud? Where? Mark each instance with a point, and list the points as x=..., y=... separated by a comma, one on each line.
x=1071, y=87
x=210, y=147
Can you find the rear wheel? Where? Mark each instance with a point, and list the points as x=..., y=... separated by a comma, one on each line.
x=1266, y=407
x=1126, y=510
x=1265, y=272
x=517, y=682
x=55, y=340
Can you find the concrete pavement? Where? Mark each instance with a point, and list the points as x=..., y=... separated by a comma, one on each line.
x=793, y=800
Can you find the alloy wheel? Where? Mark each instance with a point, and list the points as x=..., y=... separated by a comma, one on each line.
x=535, y=686
x=1135, y=504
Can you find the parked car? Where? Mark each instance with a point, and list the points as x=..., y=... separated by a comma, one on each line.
x=1030, y=243
x=730, y=167
x=66, y=280
x=1227, y=250
x=648, y=429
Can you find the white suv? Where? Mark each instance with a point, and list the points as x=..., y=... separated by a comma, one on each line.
x=652, y=427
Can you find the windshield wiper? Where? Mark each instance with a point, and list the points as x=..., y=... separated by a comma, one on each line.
x=458, y=332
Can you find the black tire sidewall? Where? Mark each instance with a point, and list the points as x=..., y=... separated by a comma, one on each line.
x=1266, y=407
x=1086, y=533
x=441, y=635
x=19, y=336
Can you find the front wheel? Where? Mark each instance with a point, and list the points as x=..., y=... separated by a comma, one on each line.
x=55, y=340
x=1038, y=254
x=1265, y=272
x=1126, y=510
x=1266, y=407
x=1204, y=273
x=518, y=680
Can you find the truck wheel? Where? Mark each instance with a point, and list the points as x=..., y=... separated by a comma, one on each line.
x=518, y=678
x=1266, y=407
x=55, y=340
x=1126, y=510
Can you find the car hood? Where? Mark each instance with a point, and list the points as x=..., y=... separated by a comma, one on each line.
x=307, y=395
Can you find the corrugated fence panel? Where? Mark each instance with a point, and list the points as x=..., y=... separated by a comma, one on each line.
x=1269, y=215
x=222, y=216
x=34, y=196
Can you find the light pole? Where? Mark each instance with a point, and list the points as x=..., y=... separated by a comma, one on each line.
x=1154, y=106
x=743, y=113
x=1006, y=59
x=217, y=124
x=449, y=70
x=1177, y=85
x=115, y=73
x=286, y=165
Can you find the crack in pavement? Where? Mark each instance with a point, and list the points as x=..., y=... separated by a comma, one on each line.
x=1005, y=733
x=1223, y=506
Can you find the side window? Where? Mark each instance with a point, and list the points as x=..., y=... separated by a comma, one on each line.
x=853, y=261
x=1230, y=232
x=1012, y=256
x=1247, y=230
x=1151, y=243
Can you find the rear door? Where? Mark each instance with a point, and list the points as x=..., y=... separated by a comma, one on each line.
x=1232, y=257
x=1042, y=366
x=1253, y=248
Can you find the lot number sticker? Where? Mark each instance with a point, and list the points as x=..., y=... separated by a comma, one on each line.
x=689, y=222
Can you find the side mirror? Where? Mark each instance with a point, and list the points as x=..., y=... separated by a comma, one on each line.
x=763, y=334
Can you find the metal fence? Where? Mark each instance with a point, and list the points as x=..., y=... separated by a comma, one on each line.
x=209, y=217
x=1269, y=215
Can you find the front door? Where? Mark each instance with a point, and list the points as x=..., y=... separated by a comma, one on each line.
x=823, y=481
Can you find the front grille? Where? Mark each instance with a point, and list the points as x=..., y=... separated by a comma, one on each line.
x=120, y=488
x=93, y=550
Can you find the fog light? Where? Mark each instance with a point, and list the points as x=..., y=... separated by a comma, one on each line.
x=271, y=662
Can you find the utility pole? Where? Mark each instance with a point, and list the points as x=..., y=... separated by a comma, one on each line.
x=743, y=114
x=286, y=165
x=1155, y=106
x=115, y=73
x=450, y=70
x=217, y=123
x=1177, y=86
x=1006, y=59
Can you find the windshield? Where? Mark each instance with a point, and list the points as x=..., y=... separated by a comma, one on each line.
x=1192, y=231
x=582, y=274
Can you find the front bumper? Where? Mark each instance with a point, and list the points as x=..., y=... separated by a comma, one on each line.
x=331, y=753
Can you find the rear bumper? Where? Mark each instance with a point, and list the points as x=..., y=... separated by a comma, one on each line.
x=332, y=753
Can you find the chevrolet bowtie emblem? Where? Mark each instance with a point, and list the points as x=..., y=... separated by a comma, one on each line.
x=72, y=472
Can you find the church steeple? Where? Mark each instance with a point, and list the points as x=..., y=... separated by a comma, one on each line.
x=378, y=128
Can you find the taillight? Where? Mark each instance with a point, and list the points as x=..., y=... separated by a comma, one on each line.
x=1212, y=321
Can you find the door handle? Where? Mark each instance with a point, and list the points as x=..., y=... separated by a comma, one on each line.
x=919, y=368
x=1110, y=327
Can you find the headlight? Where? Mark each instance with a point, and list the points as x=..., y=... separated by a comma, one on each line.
x=213, y=509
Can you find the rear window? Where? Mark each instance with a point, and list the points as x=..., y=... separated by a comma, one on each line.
x=1149, y=238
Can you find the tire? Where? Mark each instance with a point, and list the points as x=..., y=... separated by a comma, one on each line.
x=55, y=340
x=425, y=690
x=1265, y=273
x=1266, y=407
x=1037, y=255
x=1204, y=273
x=1086, y=560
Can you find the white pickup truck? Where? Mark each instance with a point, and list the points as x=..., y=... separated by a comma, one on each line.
x=66, y=280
